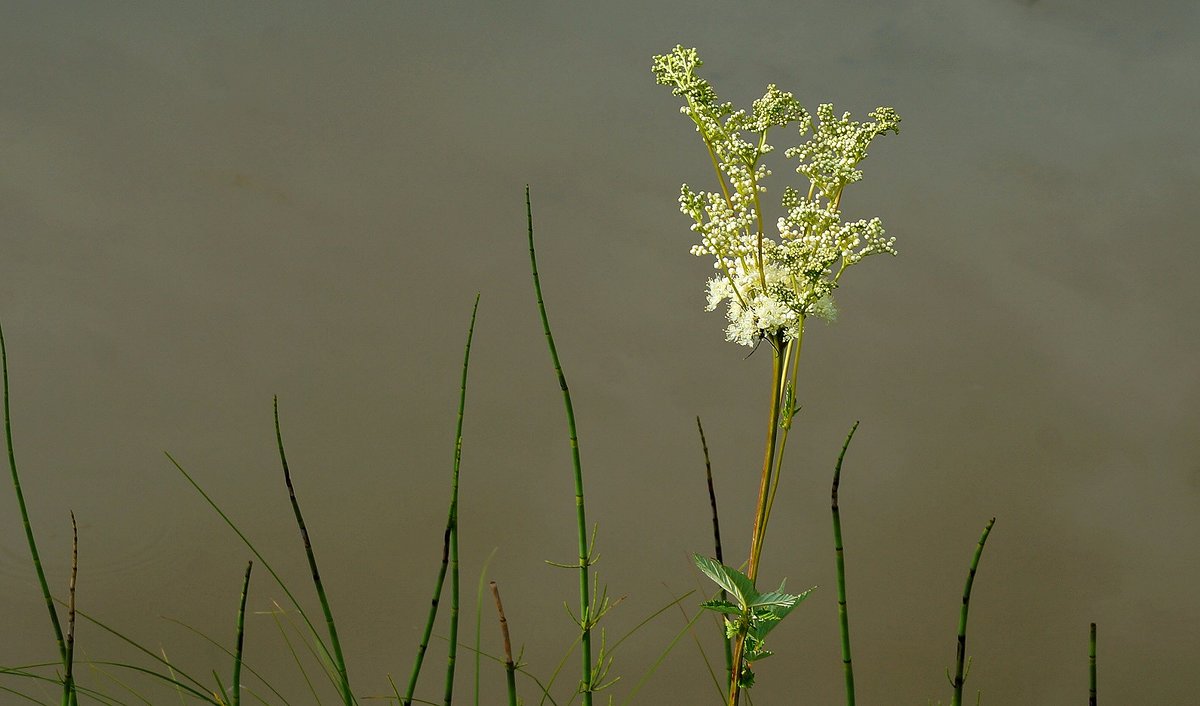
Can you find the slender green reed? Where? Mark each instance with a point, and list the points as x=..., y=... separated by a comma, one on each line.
x=316, y=636
x=184, y=681
x=510, y=670
x=339, y=662
x=236, y=684
x=843, y=618
x=712, y=501
x=69, y=696
x=449, y=549
x=1092, y=666
x=453, y=520
x=423, y=645
x=961, y=652
x=16, y=480
x=586, y=620
x=478, y=652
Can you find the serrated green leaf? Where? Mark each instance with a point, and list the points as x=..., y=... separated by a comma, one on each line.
x=733, y=581
x=746, y=678
x=774, y=599
x=722, y=606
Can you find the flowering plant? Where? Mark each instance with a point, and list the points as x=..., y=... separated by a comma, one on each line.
x=771, y=285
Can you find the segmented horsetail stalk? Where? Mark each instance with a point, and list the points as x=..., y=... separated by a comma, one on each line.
x=716, y=520
x=843, y=618
x=1092, y=667
x=586, y=687
x=958, y=680
x=510, y=669
x=235, y=693
x=339, y=662
x=449, y=548
x=69, y=690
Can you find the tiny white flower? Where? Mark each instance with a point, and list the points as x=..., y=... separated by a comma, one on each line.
x=772, y=284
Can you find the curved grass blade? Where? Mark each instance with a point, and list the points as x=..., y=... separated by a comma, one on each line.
x=254, y=550
x=663, y=655
x=585, y=558
x=232, y=654
x=843, y=618
x=29, y=538
x=479, y=618
x=196, y=688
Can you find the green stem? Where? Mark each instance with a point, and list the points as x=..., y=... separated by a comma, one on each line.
x=961, y=655
x=449, y=536
x=843, y=618
x=779, y=372
x=510, y=669
x=236, y=685
x=1092, y=667
x=453, y=523
x=339, y=662
x=712, y=499
x=69, y=692
x=430, y=619
x=585, y=619
x=33, y=550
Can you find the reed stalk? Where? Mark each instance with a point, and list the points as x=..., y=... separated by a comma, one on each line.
x=235, y=695
x=69, y=696
x=1092, y=666
x=510, y=670
x=453, y=515
x=712, y=501
x=586, y=620
x=339, y=662
x=449, y=550
x=843, y=618
x=961, y=652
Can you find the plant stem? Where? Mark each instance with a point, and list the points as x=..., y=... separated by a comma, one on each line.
x=33, y=550
x=235, y=695
x=449, y=536
x=1092, y=667
x=779, y=372
x=339, y=662
x=585, y=619
x=510, y=669
x=69, y=695
x=712, y=499
x=453, y=522
x=843, y=618
x=958, y=680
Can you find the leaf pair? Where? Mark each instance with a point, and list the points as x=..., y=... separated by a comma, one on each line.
x=750, y=615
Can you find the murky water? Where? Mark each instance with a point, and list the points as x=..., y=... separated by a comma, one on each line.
x=205, y=208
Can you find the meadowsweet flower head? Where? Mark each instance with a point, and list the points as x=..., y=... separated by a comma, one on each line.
x=772, y=284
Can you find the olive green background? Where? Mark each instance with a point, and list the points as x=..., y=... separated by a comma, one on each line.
x=206, y=204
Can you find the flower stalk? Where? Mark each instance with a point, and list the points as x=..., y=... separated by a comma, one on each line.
x=771, y=285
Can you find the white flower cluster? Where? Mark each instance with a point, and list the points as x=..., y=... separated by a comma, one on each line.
x=772, y=286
